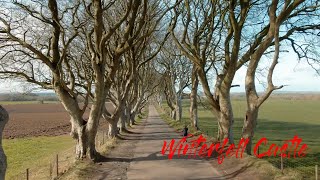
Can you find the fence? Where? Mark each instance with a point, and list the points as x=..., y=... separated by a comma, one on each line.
x=306, y=166
x=54, y=166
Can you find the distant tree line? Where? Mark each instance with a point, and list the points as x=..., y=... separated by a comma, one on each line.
x=27, y=97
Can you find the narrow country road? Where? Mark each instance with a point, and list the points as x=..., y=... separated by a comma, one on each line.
x=149, y=163
x=138, y=157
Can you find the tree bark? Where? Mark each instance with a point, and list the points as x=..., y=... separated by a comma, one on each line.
x=123, y=121
x=84, y=137
x=193, y=98
x=4, y=118
x=178, y=108
x=249, y=125
x=84, y=132
x=173, y=114
x=78, y=133
x=113, y=128
x=225, y=118
x=132, y=118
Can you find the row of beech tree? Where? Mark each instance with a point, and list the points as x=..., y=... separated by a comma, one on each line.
x=214, y=39
x=96, y=51
x=125, y=51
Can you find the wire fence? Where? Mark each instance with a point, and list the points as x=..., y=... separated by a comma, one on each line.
x=55, y=165
x=306, y=166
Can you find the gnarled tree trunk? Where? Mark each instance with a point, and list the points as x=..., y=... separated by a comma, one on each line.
x=84, y=132
x=249, y=126
x=4, y=117
x=225, y=118
x=78, y=133
x=113, y=128
x=123, y=120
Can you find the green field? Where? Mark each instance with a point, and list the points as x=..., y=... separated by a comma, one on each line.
x=33, y=153
x=279, y=120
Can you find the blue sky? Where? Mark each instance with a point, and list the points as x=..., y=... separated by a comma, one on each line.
x=299, y=76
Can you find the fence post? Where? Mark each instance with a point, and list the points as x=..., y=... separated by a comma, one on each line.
x=57, y=165
x=50, y=170
x=207, y=133
x=281, y=159
x=258, y=150
x=27, y=173
x=316, y=169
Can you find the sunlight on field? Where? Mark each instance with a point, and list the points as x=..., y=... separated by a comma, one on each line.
x=278, y=120
x=33, y=153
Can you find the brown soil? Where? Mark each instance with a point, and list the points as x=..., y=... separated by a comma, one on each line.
x=29, y=120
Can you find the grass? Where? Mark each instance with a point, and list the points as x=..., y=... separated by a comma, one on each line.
x=279, y=120
x=32, y=153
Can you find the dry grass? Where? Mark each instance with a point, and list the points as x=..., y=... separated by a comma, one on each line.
x=79, y=168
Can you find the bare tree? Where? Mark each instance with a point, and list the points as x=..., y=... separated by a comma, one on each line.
x=232, y=34
x=79, y=58
x=136, y=42
x=177, y=73
x=40, y=41
x=281, y=15
x=4, y=117
x=201, y=42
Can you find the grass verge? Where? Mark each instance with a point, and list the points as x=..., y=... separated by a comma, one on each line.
x=34, y=153
x=82, y=169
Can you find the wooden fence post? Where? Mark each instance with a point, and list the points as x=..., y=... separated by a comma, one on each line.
x=27, y=173
x=50, y=170
x=57, y=165
x=281, y=160
x=316, y=171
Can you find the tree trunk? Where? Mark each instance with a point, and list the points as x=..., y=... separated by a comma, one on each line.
x=79, y=134
x=250, y=119
x=123, y=121
x=178, y=108
x=249, y=125
x=128, y=110
x=132, y=118
x=113, y=128
x=159, y=99
x=225, y=118
x=173, y=114
x=4, y=117
x=84, y=132
x=193, y=98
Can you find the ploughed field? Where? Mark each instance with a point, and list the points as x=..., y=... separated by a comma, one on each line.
x=29, y=120
x=34, y=135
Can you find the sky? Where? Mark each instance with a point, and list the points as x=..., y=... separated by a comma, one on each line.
x=299, y=76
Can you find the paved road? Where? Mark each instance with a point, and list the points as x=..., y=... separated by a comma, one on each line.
x=149, y=163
